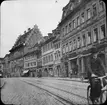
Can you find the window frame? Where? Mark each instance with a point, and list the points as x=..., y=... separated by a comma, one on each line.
x=88, y=16
x=100, y=31
x=70, y=24
x=78, y=42
x=78, y=22
x=100, y=1
x=83, y=43
x=93, y=12
x=63, y=49
x=74, y=44
x=67, y=49
x=97, y=36
x=82, y=19
x=74, y=23
x=89, y=33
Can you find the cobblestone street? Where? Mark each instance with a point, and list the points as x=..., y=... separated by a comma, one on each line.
x=43, y=91
x=19, y=93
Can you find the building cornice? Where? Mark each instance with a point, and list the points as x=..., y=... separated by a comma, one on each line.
x=71, y=13
x=48, y=40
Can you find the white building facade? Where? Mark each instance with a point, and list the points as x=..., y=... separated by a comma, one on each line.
x=48, y=57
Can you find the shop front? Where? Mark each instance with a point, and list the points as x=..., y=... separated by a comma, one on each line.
x=45, y=72
x=33, y=72
x=64, y=66
x=39, y=71
x=78, y=64
x=25, y=73
x=48, y=71
x=57, y=69
x=73, y=65
x=85, y=55
x=102, y=51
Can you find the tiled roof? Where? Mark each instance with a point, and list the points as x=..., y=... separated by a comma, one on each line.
x=21, y=40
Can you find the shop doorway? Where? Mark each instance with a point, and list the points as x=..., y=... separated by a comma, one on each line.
x=66, y=69
x=74, y=66
x=51, y=72
x=45, y=72
x=58, y=70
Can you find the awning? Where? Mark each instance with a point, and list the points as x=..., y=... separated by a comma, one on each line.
x=73, y=58
x=26, y=71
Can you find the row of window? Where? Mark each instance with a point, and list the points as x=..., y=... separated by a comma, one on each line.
x=57, y=55
x=72, y=6
x=30, y=56
x=56, y=46
x=83, y=17
x=85, y=39
x=48, y=58
x=80, y=41
x=47, y=47
x=31, y=64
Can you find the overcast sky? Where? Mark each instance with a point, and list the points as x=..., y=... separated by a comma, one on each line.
x=19, y=15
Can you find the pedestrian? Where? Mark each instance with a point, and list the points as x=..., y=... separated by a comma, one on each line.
x=70, y=73
x=76, y=69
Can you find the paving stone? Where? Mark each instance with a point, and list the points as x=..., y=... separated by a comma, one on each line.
x=20, y=93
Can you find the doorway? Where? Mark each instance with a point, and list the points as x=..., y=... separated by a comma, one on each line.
x=74, y=66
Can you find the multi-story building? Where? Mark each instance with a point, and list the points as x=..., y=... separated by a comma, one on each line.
x=6, y=66
x=32, y=51
x=48, y=55
x=83, y=26
x=17, y=55
x=39, y=60
x=1, y=66
x=57, y=53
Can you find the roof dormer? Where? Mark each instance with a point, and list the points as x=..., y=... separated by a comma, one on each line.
x=70, y=7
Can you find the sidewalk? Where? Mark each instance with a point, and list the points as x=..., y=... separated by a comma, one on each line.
x=74, y=79
x=69, y=79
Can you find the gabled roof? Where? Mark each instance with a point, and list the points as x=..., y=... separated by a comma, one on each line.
x=37, y=32
x=21, y=40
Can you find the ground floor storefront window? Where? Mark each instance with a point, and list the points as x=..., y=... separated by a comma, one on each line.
x=73, y=67
x=45, y=72
x=66, y=69
x=78, y=67
x=57, y=70
x=51, y=73
x=39, y=73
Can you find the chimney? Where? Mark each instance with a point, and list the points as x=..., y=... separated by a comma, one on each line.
x=29, y=29
x=24, y=32
x=45, y=37
x=50, y=35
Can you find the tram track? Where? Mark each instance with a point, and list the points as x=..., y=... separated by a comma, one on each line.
x=59, y=97
x=55, y=96
x=72, y=85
